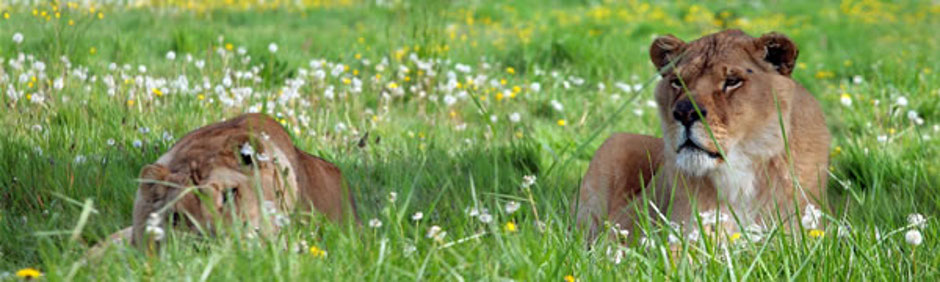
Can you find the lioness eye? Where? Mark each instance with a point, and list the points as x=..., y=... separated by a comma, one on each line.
x=675, y=83
x=732, y=83
x=229, y=194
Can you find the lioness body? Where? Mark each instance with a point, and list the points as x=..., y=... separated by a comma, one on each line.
x=228, y=163
x=741, y=87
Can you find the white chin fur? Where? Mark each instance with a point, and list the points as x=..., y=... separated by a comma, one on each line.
x=695, y=163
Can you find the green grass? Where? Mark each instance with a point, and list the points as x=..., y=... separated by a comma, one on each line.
x=442, y=160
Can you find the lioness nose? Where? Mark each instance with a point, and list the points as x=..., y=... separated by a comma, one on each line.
x=684, y=112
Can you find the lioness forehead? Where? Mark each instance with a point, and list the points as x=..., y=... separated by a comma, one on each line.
x=701, y=55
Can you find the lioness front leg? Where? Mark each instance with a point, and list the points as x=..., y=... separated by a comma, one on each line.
x=620, y=169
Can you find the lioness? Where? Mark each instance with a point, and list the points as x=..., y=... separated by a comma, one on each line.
x=224, y=166
x=741, y=87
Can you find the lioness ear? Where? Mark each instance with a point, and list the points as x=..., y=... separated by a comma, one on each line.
x=154, y=172
x=664, y=50
x=779, y=51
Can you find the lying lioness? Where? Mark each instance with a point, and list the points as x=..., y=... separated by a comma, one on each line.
x=215, y=172
x=741, y=87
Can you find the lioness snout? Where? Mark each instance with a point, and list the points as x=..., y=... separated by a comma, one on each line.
x=684, y=112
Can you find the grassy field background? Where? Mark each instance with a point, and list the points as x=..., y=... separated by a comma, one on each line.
x=446, y=104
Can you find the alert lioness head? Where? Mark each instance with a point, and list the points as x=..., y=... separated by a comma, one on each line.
x=738, y=134
x=238, y=170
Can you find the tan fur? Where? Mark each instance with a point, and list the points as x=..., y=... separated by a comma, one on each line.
x=209, y=161
x=754, y=177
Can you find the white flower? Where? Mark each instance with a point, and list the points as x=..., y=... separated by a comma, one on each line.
x=269, y=207
x=882, y=138
x=339, y=126
x=512, y=207
x=153, y=228
x=417, y=216
x=110, y=142
x=485, y=218
x=241, y=50
x=515, y=117
x=917, y=220
x=528, y=181
x=263, y=157
x=80, y=159
x=272, y=47
x=155, y=232
x=535, y=87
x=436, y=233
x=58, y=83
x=710, y=218
x=901, y=101
x=811, y=216
x=247, y=150
x=557, y=106
x=171, y=55
x=912, y=115
x=375, y=223
x=449, y=100
x=914, y=237
x=137, y=143
x=200, y=64
x=392, y=196
x=616, y=254
x=281, y=220
x=493, y=118
x=858, y=79
x=846, y=100
x=623, y=233
x=142, y=69
x=17, y=38
x=409, y=249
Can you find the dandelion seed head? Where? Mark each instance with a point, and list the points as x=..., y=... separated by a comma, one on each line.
x=914, y=237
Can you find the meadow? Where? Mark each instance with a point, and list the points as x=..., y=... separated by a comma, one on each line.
x=463, y=129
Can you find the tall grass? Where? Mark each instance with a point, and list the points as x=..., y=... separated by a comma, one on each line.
x=64, y=188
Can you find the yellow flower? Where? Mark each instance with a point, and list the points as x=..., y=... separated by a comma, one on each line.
x=229, y=46
x=561, y=122
x=392, y=85
x=836, y=151
x=502, y=82
x=6, y=15
x=499, y=96
x=130, y=103
x=510, y=227
x=92, y=51
x=816, y=233
x=735, y=236
x=824, y=74
x=358, y=56
x=569, y=278
x=510, y=70
x=100, y=16
x=157, y=92
x=71, y=22
x=346, y=81
x=317, y=252
x=28, y=273
x=201, y=97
